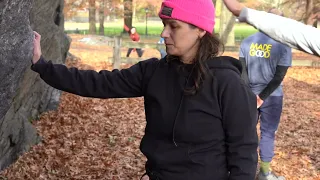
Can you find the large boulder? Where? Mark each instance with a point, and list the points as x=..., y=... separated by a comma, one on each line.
x=23, y=95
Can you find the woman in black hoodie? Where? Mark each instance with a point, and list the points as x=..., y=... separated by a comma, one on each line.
x=201, y=117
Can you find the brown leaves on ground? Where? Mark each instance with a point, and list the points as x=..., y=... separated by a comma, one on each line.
x=90, y=138
x=86, y=139
x=298, y=138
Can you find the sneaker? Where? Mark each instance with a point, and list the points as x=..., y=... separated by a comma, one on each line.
x=270, y=176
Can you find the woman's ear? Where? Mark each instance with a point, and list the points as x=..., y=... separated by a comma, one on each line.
x=201, y=33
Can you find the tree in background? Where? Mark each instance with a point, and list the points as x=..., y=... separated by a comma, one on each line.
x=127, y=13
x=312, y=12
x=260, y=5
x=227, y=22
x=307, y=11
x=136, y=9
x=72, y=6
x=101, y=16
x=92, y=17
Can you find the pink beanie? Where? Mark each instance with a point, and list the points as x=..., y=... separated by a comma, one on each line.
x=200, y=13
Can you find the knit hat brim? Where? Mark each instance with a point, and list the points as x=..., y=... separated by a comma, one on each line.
x=172, y=11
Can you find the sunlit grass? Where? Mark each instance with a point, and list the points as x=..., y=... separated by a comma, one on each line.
x=154, y=28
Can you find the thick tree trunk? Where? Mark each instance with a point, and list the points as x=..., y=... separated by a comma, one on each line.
x=227, y=21
x=127, y=13
x=101, y=17
x=92, y=17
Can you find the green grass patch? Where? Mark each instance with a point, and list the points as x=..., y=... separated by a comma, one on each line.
x=154, y=29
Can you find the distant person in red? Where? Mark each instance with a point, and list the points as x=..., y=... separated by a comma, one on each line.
x=134, y=37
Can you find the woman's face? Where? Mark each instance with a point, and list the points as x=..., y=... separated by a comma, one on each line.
x=181, y=38
x=133, y=30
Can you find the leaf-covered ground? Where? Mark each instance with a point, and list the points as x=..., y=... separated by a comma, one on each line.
x=99, y=139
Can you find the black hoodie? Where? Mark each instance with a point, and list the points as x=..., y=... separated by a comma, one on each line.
x=208, y=136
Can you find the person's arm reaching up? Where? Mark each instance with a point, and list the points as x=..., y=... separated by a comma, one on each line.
x=284, y=30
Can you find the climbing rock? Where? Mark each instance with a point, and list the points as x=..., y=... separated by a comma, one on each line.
x=23, y=95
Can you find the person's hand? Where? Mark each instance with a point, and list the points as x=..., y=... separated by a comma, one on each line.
x=234, y=6
x=145, y=177
x=36, y=48
x=259, y=102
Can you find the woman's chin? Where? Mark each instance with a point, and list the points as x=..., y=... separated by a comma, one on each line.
x=171, y=52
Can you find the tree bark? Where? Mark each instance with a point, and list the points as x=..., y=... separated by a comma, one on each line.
x=108, y=7
x=227, y=21
x=127, y=13
x=92, y=17
x=101, y=17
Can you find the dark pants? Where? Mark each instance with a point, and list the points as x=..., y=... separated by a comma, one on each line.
x=139, y=52
x=269, y=113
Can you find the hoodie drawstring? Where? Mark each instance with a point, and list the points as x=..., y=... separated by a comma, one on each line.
x=180, y=103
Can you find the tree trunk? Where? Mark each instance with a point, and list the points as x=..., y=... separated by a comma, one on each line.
x=101, y=17
x=108, y=6
x=127, y=13
x=227, y=21
x=134, y=11
x=92, y=17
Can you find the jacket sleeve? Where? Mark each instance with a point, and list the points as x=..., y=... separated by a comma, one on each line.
x=284, y=30
x=239, y=119
x=88, y=83
x=275, y=82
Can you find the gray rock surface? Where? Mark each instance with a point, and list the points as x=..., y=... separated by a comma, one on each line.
x=23, y=95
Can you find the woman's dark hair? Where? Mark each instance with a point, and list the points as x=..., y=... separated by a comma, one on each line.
x=209, y=46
